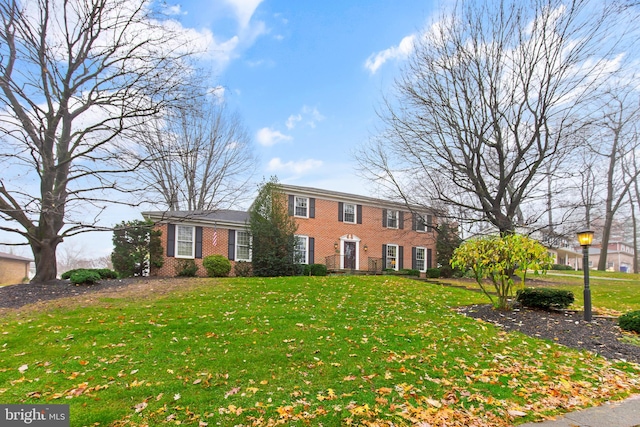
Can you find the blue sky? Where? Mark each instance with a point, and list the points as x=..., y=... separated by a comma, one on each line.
x=306, y=78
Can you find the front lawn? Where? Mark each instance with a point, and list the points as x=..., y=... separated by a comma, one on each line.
x=331, y=351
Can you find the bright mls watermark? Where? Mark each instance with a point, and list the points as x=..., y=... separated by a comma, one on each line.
x=34, y=415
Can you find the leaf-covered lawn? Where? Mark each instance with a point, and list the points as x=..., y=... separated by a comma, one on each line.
x=315, y=351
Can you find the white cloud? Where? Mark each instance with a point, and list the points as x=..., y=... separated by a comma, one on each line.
x=299, y=167
x=269, y=137
x=244, y=10
x=292, y=120
x=377, y=60
x=307, y=115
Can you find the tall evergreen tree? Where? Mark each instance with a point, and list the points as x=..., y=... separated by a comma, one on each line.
x=136, y=247
x=272, y=232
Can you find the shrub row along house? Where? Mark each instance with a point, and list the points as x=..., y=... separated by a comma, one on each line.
x=342, y=231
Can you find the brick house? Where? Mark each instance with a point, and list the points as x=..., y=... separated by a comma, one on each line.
x=14, y=269
x=343, y=231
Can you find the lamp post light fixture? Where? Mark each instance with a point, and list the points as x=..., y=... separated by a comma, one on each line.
x=585, y=238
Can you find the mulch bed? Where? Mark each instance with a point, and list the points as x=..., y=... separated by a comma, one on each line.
x=601, y=335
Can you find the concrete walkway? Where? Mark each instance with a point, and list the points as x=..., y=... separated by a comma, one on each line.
x=625, y=413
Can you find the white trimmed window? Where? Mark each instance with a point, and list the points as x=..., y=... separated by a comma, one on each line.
x=392, y=257
x=185, y=241
x=243, y=246
x=301, y=207
x=349, y=213
x=421, y=224
x=421, y=259
x=301, y=250
x=392, y=219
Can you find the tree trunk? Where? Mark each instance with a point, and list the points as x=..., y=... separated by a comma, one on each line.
x=44, y=254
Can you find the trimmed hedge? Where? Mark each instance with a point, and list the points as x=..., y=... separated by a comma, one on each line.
x=545, y=298
x=630, y=321
x=216, y=265
x=314, y=270
x=433, y=273
x=186, y=268
x=84, y=277
x=561, y=267
x=104, y=273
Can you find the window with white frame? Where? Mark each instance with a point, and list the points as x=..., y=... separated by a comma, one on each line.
x=301, y=250
x=392, y=257
x=243, y=246
x=392, y=219
x=185, y=241
x=349, y=211
x=302, y=207
x=421, y=224
x=420, y=259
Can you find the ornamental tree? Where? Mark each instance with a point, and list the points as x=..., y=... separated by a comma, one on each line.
x=499, y=259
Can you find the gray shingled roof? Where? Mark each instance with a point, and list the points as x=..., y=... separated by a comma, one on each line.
x=14, y=257
x=223, y=216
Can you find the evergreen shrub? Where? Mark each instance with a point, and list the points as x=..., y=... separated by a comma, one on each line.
x=84, y=277
x=243, y=269
x=545, y=298
x=216, y=265
x=630, y=321
x=433, y=273
x=186, y=268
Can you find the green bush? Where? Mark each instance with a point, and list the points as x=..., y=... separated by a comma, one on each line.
x=104, y=273
x=561, y=267
x=433, y=273
x=84, y=277
x=545, y=298
x=186, y=268
x=216, y=265
x=630, y=321
x=243, y=269
x=67, y=274
x=403, y=272
x=314, y=270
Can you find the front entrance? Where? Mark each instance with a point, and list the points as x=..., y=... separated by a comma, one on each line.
x=350, y=255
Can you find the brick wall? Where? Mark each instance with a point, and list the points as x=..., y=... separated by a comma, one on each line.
x=326, y=230
x=170, y=263
x=13, y=271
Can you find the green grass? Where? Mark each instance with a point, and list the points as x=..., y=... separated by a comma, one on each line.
x=328, y=350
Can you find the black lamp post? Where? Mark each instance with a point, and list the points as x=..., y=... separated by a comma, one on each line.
x=585, y=238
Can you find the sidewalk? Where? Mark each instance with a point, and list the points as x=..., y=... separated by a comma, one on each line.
x=625, y=413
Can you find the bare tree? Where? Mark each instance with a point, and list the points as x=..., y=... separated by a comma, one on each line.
x=617, y=143
x=490, y=97
x=199, y=156
x=74, y=77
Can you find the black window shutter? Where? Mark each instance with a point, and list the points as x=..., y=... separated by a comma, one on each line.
x=311, y=250
x=413, y=258
x=429, y=223
x=414, y=221
x=429, y=264
x=400, y=220
x=384, y=256
x=198, y=242
x=359, y=210
x=340, y=212
x=400, y=257
x=232, y=245
x=291, y=205
x=171, y=240
x=384, y=218
x=312, y=207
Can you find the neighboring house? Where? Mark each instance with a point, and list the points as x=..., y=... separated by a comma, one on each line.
x=619, y=256
x=14, y=269
x=343, y=231
x=567, y=256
